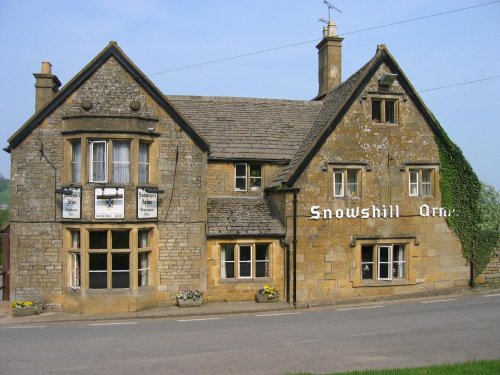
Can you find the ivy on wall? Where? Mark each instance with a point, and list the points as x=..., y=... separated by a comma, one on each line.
x=460, y=191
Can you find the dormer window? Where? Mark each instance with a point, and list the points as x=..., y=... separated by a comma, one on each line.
x=245, y=172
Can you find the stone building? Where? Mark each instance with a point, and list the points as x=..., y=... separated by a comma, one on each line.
x=122, y=196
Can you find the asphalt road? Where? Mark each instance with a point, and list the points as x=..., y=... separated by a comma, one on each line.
x=397, y=334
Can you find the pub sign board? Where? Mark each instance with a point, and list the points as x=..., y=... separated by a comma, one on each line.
x=72, y=203
x=109, y=203
x=147, y=204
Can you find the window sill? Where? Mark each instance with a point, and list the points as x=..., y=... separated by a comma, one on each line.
x=383, y=283
x=249, y=280
x=117, y=291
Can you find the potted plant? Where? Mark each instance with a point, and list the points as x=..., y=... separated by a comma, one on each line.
x=189, y=298
x=267, y=294
x=23, y=308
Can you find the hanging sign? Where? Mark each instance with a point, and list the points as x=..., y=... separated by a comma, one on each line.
x=147, y=204
x=72, y=203
x=109, y=203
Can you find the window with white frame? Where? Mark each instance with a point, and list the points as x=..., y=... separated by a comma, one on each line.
x=383, y=262
x=420, y=182
x=384, y=110
x=245, y=261
x=120, y=161
x=248, y=176
x=346, y=183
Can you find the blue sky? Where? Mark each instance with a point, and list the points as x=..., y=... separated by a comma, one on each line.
x=164, y=35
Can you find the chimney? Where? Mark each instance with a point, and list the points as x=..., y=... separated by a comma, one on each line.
x=46, y=86
x=330, y=60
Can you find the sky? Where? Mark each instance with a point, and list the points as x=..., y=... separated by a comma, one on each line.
x=163, y=36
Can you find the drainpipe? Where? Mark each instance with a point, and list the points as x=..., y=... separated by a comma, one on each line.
x=294, y=246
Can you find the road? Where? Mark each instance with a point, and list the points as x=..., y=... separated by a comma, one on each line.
x=397, y=334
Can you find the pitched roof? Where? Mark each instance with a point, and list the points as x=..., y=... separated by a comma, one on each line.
x=336, y=104
x=246, y=128
x=112, y=50
x=242, y=217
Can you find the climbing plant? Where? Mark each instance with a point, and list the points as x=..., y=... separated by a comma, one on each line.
x=460, y=191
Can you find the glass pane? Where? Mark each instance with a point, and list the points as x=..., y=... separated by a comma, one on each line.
x=228, y=251
x=76, y=161
x=261, y=252
x=241, y=177
x=245, y=253
x=383, y=254
x=398, y=254
x=120, y=261
x=255, y=176
x=390, y=112
x=384, y=271
x=98, y=262
x=120, y=267
x=143, y=162
x=143, y=277
x=241, y=183
x=98, y=280
x=262, y=269
x=99, y=157
x=376, y=111
x=366, y=254
x=241, y=170
x=75, y=239
x=367, y=271
x=338, y=182
x=245, y=269
x=230, y=270
x=121, y=162
x=143, y=239
x=98, y=239
x=352, y=182
x=75, y=270
x=98, y=271
x=120, y=239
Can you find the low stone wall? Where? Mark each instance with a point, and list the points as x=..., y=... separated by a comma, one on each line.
x=492, y=271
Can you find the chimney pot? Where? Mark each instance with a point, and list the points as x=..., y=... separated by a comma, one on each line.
x=46, y=67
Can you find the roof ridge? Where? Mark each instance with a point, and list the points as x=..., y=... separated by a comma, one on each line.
x=240, y=99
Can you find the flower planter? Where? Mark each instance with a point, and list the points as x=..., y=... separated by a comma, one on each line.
x=27, y=310
x=189, y=302
x=263, y=298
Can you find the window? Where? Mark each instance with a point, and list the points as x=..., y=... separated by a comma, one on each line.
x=386, y=262
x=420, y=182
x=98, y=161
x=76, y=158
x=244, y=261
x=75, y=260
x=109, y=259
x=144, y=256
x=346, y=183
x=121, y=162
x=384, y=111
x=143, y=162
x=242, y=170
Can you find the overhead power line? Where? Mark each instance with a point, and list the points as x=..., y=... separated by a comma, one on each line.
x=316, y=39
x=460, y=84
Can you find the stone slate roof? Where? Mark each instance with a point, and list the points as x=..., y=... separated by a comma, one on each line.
x=242, y=217
x=247, y=128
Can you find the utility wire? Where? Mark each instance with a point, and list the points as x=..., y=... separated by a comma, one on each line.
x=460, y=84
x=316, y=39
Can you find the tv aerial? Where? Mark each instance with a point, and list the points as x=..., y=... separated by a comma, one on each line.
x=330, y=7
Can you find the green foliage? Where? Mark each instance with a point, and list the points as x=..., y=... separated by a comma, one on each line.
x=461, y=195
x=489, y=208
x=5, y=193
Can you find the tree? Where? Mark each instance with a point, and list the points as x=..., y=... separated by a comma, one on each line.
x=489, y=208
